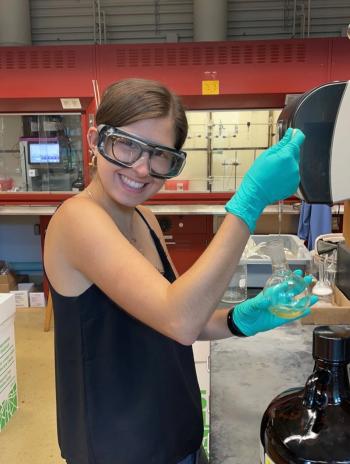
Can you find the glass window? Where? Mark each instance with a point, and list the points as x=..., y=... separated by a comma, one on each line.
x=41, y=153
x=221, y=146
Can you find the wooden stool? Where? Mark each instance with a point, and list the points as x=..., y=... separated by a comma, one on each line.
x=48, y=314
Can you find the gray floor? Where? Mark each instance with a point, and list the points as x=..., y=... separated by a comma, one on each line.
x=246, y=374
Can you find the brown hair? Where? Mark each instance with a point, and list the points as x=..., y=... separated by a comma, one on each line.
x=131, y=100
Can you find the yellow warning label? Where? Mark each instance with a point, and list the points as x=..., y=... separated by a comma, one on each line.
x=211, y=87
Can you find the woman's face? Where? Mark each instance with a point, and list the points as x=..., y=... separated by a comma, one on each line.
x=130, y=186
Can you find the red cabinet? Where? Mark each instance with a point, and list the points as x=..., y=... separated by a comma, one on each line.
x=186, y=237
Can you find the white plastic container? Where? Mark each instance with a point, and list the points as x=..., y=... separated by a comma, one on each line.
x=8, y=373
x=260, y=269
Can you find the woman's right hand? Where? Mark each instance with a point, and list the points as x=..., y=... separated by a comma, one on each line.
x=273, y=176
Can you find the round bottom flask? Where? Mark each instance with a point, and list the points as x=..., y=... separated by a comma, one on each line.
x=288, y=292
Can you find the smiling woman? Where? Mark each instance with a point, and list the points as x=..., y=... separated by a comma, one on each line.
x=126, y=384
x=137, y=146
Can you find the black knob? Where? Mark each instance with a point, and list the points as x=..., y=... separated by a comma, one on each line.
x=332, y=343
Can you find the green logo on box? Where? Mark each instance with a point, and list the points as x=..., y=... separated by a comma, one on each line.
x=8, y=407
x=205, y=442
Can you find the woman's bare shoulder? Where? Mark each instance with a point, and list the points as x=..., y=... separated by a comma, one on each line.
x=77, y=212
x=76, y=225
x=76, y=230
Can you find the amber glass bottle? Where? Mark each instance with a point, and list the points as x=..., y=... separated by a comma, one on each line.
x=311, y=425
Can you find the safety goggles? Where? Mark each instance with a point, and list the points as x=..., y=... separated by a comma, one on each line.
x=124, y=150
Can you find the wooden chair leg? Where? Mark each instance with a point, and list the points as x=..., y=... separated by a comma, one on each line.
x=48, y=314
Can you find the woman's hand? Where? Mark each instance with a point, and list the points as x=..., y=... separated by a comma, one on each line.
x=254, y=315
x=273, y=176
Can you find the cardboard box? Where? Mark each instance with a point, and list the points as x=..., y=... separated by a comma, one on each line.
x=201, y=351
x=8, y=375
x=7, y=282
x=21, y=298
x=37, y=299
x=336, y=313
x=28, y=287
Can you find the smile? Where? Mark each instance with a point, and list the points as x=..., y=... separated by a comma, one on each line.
x=131, y=183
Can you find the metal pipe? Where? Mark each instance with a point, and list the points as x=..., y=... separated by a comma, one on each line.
x=210, y=154
x=156, y=16
x=209, y=20
x=104, y=27
x=94, y=17
x=308, y=17
x=99, y=22
x=294, y=17
x=302, y=21
x=15, y=27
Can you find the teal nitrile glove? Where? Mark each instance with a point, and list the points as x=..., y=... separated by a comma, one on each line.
x=273, y=176
x=253, y=315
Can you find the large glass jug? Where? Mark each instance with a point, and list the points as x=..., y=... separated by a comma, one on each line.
x=311, y=424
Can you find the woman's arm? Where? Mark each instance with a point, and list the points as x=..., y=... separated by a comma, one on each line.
x=85, y=239
x=216, y=328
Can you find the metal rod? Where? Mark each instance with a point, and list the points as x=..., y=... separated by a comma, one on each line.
x=104, y=27
x=209, y=154
x=302, y=22
x=94, y=17
x=99, y=22
x=280, y=214
x=156, y=16
x=294, y=17
x=308, y=17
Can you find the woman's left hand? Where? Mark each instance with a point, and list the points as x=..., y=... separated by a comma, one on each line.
x=254, y=315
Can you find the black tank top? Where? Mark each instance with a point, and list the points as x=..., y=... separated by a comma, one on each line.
x=126, y=394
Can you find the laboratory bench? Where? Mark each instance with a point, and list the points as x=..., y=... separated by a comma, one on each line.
x=163, y=209
x=188, y=229
x=245, y=375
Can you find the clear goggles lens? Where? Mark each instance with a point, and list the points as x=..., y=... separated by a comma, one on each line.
x=124, y=149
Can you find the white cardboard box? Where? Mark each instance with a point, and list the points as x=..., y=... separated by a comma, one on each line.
x=21, y=298
x=37, y=299
x=28, y=287
x=201, y=351
x=8, y=375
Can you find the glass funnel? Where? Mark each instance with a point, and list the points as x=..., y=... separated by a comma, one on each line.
x=288, y=292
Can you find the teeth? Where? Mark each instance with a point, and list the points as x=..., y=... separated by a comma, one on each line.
x=132, y=183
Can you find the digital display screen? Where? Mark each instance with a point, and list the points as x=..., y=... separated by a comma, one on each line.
x=44, y=153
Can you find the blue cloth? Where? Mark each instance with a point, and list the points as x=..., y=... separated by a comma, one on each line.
x=314, y=220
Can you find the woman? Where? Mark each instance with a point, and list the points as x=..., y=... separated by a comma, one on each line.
x=124, y=323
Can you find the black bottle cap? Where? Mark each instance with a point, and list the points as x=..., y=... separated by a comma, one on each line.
x=332, y=343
